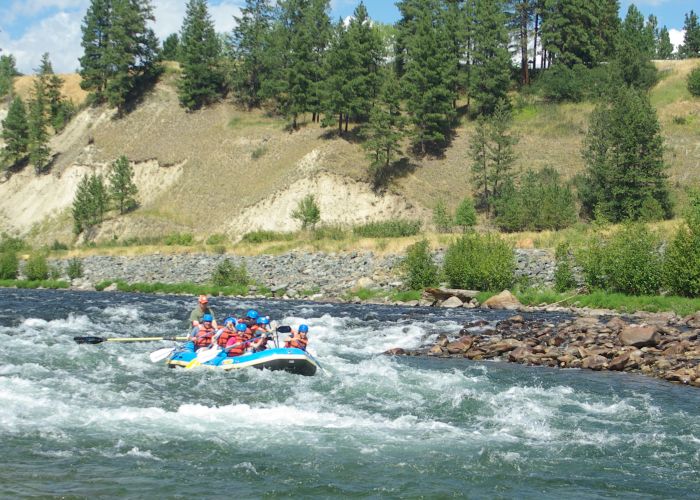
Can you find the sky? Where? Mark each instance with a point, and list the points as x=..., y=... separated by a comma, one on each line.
x=28, y=28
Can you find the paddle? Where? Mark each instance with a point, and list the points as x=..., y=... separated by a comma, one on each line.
x=99, y=340
x=161, y=354
x=205, y=355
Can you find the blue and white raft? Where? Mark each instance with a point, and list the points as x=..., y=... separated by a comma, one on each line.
x=277, y=358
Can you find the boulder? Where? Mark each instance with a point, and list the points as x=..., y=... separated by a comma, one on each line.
x=619, y=362
x=446, y=293
x=436, y=350
x=442, y=340
x=452, y=302
x=396, y=351
x=463, y=344
x=616, y=324
x=640, y=336
x=362, y=283
x=504, y=300
x=519, y=354
x=595, y=362
x=693, y=321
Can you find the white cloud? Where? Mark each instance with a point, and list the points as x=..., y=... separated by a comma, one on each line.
x=60, y=35
x=677, y=37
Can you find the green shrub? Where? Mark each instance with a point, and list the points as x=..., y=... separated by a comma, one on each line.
x=680, y=120
x=563, y=275
x=261, y=236
x=465, y=217
x=441, y=218
x=36, y=268
x=682, y=259
x=10, y=244
x=629, y=261
x=542, y=201
x=395, y=228
x=216, y=239
x=183, y=239
x=9, y=265
x=75, y=269
x=229, y=274
x=57, y=245
x=54, y=273
x=258, y=152
x=419, y=269
x=561, y=83
x=480, y=262
x=336, y=233
x=307, y=212
x=694, y=82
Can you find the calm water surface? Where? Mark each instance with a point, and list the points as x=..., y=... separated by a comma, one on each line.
x=103, y=421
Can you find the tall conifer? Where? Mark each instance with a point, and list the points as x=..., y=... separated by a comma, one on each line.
x=691, y=39
x=121, y=185
x=39, y=151
x=15, y=133
x=664, y=49
x=201, y=81
x=94, y=71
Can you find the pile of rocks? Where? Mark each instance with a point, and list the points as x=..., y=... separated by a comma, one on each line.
x=663, y=346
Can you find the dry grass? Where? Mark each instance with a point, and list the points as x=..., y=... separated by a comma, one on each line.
x=23, y=85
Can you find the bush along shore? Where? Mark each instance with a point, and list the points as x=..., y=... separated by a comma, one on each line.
x=662, y=346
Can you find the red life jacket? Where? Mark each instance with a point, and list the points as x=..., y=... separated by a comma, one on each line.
x=203, y=337
x=297, y=343
x=233, y=339
x=260, y=343
x=225, y=335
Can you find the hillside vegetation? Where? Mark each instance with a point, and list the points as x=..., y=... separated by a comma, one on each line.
x=225, y=170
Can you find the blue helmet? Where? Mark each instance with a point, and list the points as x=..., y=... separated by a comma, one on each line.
x=230, y=321
x=207, y=317
x=303, y=328
x=252, y=314
x=263, y=320
x=240, y=327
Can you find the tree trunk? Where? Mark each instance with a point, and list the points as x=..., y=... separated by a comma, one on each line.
x=340, y=122
x=537, y=30
x=347, y=119
x=524, y=64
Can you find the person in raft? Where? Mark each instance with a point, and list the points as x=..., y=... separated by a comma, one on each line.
x=237, y=341
x=199, y=311
x=205, y=332
x=227, y=331
x=298, y=339
x=263, y=324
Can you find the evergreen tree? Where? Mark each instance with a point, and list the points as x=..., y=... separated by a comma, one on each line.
x=171, y=48
x=465, y=216
x=385, y=131
x=250, y=41
x=624, y=159
x=502, y=141
x=7, y=73
x=121, y=185
x=634, y=51
x=664, y=49
x=340, y=65
x=15, y=133
x=201, y=81
x=691, y=39
x=130, y=52
x=318, y=24
x=99, y=199
x=580, y=31
x=81, y=206
x=59, y=110
x=521, y=13
x=491, y=71
x=428, y=71
x=94, y=70
x=455, y=14
x=39, y=151
x=478, y=149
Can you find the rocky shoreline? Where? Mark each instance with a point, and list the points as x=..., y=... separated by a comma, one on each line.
x=664, y=346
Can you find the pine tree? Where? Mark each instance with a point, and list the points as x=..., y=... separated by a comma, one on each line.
x=428, y=70
x=121, y=185
x=99, y=199
x=465, y=216
x=318, y=25
x=81, y=206
x=478, y=149
x=8, y=71
x=171, y=48
x=367, y=53
x=521, y=13
x=580, y=31
x=664, y=48
x=94, y=71
x=15, y=133
x=130, y=52
x=385, y=131
x=202, y=80
x=691, y=39
x=634, y=51
x=39, y=151
x=250, y=41
x=491, y=71
x=502, y=141
x=624, y=159
x=341, y=63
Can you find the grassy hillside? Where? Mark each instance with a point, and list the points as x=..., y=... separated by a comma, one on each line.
x=224, y=170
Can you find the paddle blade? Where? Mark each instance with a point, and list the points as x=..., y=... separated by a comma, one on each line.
x=161, y=354
x=284, y=329
x=89, y=340
x=206, y=355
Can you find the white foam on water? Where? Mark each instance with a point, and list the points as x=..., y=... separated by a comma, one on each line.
x=247, y=467
x=123, y=313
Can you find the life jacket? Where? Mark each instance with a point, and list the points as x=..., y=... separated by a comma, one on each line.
x=203, y=337
x=297, y=342
x=225, y=335
x=259, y=343
x=233, y=339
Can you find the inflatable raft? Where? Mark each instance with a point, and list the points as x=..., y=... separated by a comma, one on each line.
x=277, y=358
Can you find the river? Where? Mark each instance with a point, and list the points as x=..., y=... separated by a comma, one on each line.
x=103, y=421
